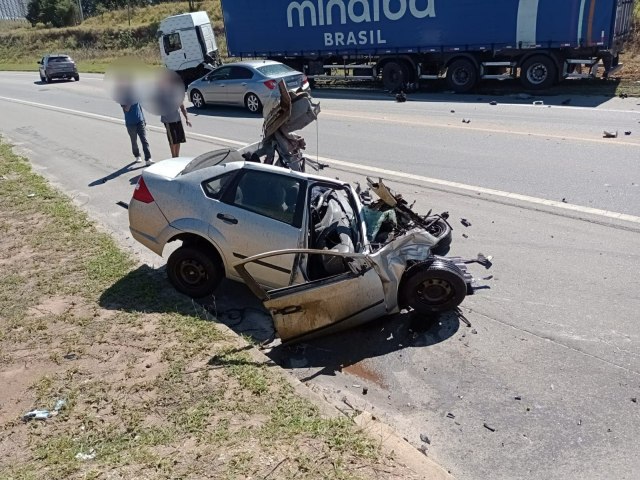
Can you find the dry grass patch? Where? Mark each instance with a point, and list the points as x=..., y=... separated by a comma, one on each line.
x=153, y=389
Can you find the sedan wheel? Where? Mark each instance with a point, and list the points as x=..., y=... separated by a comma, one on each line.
x=435, y=287
x=194, y=271
x=253, y=103
x=197, y=99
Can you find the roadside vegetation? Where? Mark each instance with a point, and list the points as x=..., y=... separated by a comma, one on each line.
x=151, y=386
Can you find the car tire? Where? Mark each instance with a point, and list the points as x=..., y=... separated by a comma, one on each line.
x=253, y=103
x=47, y=79
x=433, y=287
x=462, y=75
x=76, y=77
x=197, y=99
x=194, y=271
x=42, y=79
x=394, y=76
x=442, y=231
x=538, y=72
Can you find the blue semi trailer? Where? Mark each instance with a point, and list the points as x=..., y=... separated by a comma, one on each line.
x=405, y=41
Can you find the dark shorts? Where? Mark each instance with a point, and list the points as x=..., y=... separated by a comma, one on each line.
x=175, y=133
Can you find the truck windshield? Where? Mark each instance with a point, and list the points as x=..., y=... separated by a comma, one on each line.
x=274, y=70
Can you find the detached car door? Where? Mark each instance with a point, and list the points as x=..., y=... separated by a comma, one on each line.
x=322, y=306
x=259, y=212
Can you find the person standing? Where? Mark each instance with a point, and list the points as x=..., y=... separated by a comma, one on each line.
x=137, y=127
x=175, y=130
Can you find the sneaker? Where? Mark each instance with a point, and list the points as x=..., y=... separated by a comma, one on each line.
x=150, y=162
x=138, y=160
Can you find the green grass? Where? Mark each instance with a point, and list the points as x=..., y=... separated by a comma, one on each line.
x=100, y=40
x=154, y=388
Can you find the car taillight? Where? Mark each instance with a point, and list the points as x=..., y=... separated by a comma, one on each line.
x=271, y=84
x=142, y=193
x=305, y=79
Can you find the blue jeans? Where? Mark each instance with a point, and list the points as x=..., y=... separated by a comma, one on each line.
x=135, y=131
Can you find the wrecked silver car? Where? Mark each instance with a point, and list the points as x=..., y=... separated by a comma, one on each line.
x=321, y=254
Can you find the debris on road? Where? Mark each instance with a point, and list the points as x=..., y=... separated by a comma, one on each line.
x=493, y=102
x=423, y=449
x=425, y=439
x=474, y=331
x=464, y=120
x=453, y=111
x=450, y=415
x=31, y=195
x=623, y=95
x=365, y=390
x=465, y=222
x=517, y=398
x=488, y=277
x=628, y=132
x=564, y=200
x=607, y=134
x=634, y=400
x=401, y=97
x=71, y=356
x=489, y=427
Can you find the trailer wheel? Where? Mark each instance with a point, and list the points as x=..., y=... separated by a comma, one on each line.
x=538, y=72
x=197, y=99
x=462, y=75
x=394, y=76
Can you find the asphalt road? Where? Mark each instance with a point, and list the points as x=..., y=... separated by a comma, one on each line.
x=552, y=360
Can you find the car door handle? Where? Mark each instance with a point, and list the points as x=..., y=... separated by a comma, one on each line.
x=227, y=218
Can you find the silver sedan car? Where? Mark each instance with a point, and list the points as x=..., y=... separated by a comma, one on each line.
x=249, y=84
x=303, y=235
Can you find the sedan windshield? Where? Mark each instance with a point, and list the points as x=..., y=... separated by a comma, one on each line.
x=275, y=70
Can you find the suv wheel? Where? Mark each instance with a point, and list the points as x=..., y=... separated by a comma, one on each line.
x=194, y=271
x=76, y=77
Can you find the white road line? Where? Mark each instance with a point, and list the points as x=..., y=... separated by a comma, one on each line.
x=370, y=169
x=105, y=118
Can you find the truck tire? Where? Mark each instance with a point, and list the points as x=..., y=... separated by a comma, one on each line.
x=394, y=76
x=433, y=287
x=197, y=99
x=538, y=72
x=462, y=75
x=194, y=271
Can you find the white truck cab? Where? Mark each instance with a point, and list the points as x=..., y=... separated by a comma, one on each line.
x=188, y=45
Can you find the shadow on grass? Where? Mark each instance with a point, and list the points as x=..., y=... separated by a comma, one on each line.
x=147, y=290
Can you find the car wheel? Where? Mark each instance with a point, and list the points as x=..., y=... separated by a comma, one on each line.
x=253, y=103
x=462, y=75
x=433, y=287
x=42, y=79
x=393, y=76
x=442, y=231
x=538, y=72
x=76, y=77
x=194, y=271
x=197, y=99
x=47, y=78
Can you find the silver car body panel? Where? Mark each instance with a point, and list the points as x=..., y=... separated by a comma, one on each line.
x=368, y=291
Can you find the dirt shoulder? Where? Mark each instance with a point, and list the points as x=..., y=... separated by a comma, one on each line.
x=152, y=387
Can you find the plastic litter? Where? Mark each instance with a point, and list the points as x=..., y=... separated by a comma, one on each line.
x=607, y=134
x=44, y=414
x=86, y=456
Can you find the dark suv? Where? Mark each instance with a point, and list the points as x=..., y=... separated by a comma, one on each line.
x=58, y=66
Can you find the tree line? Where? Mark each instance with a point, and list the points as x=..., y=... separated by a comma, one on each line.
x=64, y=13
